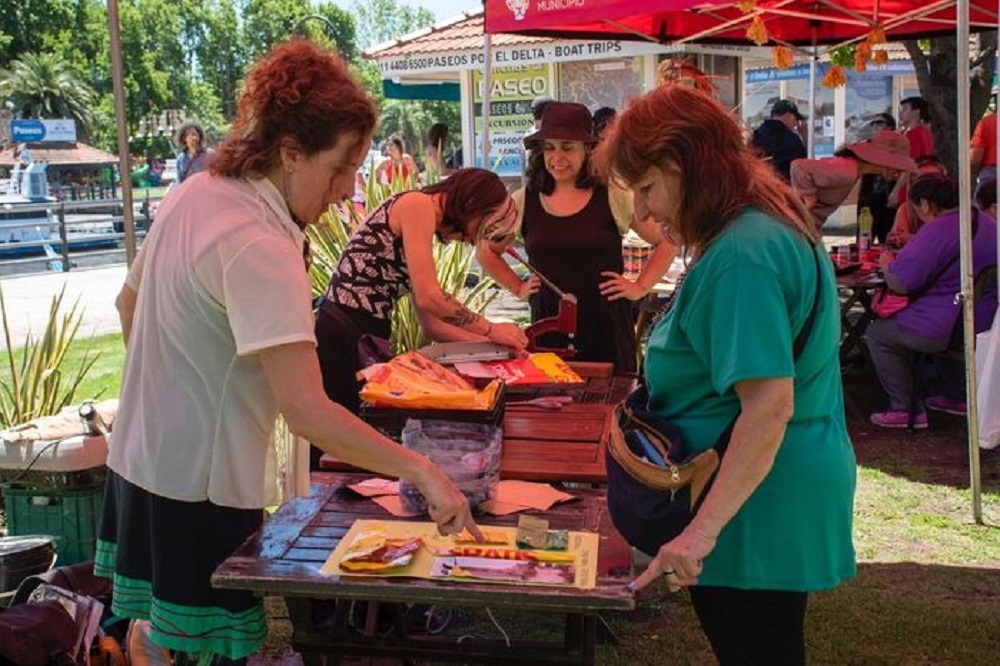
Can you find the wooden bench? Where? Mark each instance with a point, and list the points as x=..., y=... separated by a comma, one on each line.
x=554, y=446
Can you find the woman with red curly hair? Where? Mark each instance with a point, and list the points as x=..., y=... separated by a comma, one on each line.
x=746, y=358
x=217, y=315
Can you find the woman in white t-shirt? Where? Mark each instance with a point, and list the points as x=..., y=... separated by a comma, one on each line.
x=217, y=315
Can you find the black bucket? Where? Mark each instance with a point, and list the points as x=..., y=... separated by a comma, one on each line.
x=23, y=556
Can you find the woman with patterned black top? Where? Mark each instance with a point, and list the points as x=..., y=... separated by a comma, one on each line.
x=391, y=254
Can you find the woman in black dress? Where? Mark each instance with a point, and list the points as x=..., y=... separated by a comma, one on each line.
x=572, y=226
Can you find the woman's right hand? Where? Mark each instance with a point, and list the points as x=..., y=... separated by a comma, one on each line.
x=446, y=504
x=509, y=335
x=528, y=288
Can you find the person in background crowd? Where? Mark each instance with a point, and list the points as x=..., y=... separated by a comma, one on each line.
x=400, y=164
x=778, y=139
x=217, y=316
x=825, y=184
x=437, y=140
x=928, y=269
x=986, y=198
x=572, y=228
x=194, y=153
x=603, y=118
x=776, y=524
x=983, y=149
x=875, y=190
x=907, y=222
x=538, y=109
x=914, y=119
x=391, y=254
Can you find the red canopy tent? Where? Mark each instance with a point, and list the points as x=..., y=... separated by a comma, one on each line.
x=787, y=22
x=799, y=22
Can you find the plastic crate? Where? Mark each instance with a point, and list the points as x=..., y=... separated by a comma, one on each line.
x=71, y=516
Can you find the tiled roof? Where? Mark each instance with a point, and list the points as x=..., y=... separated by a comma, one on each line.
x=57, y=154
x=461, y=33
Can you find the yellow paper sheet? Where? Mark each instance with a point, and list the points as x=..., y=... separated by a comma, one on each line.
x=583, y=546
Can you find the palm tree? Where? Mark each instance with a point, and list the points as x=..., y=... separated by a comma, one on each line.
x=43, y=85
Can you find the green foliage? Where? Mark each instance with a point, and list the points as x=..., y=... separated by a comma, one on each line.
x=843, y=56
x=42, y=85
x=40, y=382
x=454, y=262
x=379, y=21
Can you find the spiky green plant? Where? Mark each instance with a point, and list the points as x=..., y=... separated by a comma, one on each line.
x=453, y=261
x=39, y=385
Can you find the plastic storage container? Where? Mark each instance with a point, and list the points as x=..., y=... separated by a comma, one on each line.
x=20, y=557
x=469, y=453
x=71, y=516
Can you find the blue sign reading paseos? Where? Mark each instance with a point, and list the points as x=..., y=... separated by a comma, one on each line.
x=31, y=130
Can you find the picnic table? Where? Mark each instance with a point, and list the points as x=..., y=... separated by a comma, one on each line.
x=285, y=556
x=857, y=290
x=567, y=444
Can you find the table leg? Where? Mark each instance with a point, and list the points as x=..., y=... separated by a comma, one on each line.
x=300, y=613
x=581, y=637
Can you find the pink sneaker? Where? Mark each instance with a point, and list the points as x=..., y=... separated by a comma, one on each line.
x=942, y=403
x=900, y=419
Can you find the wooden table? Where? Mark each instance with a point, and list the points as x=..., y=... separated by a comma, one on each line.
x=284, y=559
x=857, y=289
x=558, y=445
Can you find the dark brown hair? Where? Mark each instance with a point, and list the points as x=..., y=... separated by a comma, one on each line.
x=469, y=194
x=541, y=180
x=720, y=175
x=300, y=91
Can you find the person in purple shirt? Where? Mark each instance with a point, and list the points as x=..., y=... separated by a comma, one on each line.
x=927, y=270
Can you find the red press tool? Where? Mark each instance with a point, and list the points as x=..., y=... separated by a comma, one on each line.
x=564, y=321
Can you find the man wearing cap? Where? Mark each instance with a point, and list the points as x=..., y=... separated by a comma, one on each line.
x=777, y=139
x=875, y=191
x=825, y=184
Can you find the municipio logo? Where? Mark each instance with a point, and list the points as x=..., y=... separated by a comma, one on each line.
x=519, y=8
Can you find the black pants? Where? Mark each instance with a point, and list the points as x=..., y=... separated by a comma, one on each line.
x=753, y=626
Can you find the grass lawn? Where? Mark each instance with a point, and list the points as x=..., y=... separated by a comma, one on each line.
x=104, y=379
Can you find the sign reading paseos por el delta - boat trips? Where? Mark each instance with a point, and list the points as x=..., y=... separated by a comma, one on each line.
x=33, y=130
x=508, y=56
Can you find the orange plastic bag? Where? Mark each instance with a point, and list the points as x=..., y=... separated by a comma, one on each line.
x=411, y=381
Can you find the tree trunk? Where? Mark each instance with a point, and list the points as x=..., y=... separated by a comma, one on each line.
x=937, y=71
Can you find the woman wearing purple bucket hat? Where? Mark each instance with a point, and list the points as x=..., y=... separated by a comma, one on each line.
x=572, y=226
x=824, y=184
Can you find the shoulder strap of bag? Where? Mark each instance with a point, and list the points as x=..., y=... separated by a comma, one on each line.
x=798, y=346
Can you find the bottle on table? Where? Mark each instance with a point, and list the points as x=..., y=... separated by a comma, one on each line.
x=865, y=221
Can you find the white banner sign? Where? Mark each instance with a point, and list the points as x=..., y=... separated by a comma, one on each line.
x=507, y=56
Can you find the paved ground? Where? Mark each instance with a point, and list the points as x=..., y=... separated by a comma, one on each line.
x=29, y=298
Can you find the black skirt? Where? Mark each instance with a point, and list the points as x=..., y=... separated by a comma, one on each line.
x=161, y=554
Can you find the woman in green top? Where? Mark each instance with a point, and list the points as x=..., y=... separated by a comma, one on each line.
x=777, y=522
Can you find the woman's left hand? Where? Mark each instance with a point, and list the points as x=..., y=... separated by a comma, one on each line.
x=679, y=560
x=616, y=286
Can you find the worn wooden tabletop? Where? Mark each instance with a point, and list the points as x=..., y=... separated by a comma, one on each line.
x=285, y=556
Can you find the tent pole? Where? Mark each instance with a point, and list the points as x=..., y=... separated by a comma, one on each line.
x=965, y=253
x=811, y=132
x=118, y=82
x=487, y=89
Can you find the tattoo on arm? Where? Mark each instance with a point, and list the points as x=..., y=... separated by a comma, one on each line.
x=459, y=315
